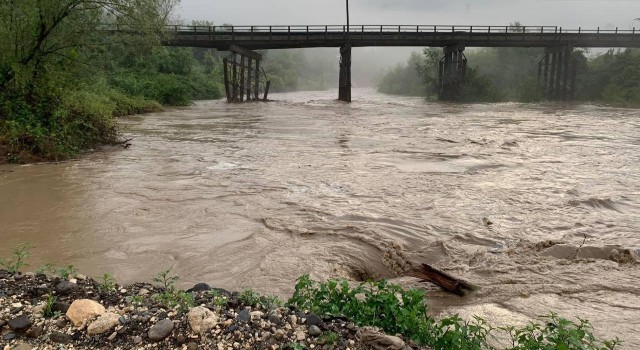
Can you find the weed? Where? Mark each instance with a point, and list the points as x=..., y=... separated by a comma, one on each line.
x=48, y=306
x=329, y=338
x=108, y=283
x=18, y=257
x=62, y=272
x=270, y=302
x=297, y=346
x=135, y=300
x=166, y=280
x=181, y=301
x=396, y=310
x=249, y=298
x=218, y=299
x=558, y=333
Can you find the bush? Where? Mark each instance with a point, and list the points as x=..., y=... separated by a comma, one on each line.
x=397, y=310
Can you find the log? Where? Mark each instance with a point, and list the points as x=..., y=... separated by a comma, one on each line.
x=445, y=281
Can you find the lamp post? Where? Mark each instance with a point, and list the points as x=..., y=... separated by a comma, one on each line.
x=347, y=18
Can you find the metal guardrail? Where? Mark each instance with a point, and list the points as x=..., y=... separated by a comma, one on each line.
x=184, y=29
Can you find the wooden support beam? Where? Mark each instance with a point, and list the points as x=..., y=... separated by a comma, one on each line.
x=244, y=52
x=256, y=88
x=227, y=88
x=344, y=91
x=235, y=78
x=250, y=74
x=242, y=78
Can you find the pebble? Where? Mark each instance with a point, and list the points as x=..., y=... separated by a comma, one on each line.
x=200, y=287
x=103, y=324
x=314, y=331
x=58, y=337
x=243, y=316
x=161, y=330
x=66, y=287
x=9, y=336
x=35, y=332
x=20, y=323
x=136, y=340
x=313, y=320
x=112, y=336
x=23, y=347
x=293, y=320
x=300, y=335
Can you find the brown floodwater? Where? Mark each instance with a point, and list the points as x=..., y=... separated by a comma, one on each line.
x=255, y=195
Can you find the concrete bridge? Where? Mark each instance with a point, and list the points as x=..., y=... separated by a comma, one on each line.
x=556, y=73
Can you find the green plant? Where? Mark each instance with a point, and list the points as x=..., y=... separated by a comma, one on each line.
x=397, y=310
x=62, y=272
x=135, y=300
x=329, y=338
x=270, y=302
x=558, y=334
x=108, y=283
x=18, y=258
x=181, y=301
x=218, y=299
x=48, y=306
x=249, y=298
x=297, y=346
x=166, y=280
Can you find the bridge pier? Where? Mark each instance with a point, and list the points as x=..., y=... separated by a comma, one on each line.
x=452, y=72
x=344, y=91
x=557, y=73
x=242, y=80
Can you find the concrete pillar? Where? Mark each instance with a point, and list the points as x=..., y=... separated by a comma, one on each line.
x=344, y=91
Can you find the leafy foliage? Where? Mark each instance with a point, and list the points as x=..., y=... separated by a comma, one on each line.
x=18, y=258
x=108, y=283
x=397, y=310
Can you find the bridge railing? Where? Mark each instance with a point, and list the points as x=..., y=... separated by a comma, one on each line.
x=187, y=29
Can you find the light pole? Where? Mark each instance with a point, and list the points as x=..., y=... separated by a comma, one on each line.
x=348, y=19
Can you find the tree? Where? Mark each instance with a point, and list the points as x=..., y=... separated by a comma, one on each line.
x=38, y=33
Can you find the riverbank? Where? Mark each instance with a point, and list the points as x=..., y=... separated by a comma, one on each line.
x=45, y=312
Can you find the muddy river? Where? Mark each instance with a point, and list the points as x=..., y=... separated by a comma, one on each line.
x=256, y=195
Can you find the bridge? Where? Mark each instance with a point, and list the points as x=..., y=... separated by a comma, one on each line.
x=556, y=70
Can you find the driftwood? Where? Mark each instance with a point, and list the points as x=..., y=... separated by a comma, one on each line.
x=445, y=281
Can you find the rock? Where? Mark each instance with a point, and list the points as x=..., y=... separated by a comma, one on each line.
x=84, y=310
x=192, y=346
x=9, y=336
x=314, y=331
x=38, y=310
x=275, y=319
x=200, y=287
x=23, y=347
x=257, y=315
x=161, y=330
x=313, y=320
x=122, y=320
x=377, y=340
x=243, y=316
x=112, y=336
x=300, y=336
x=143, y=291
x=279, y=334
x=66, y=287
x=34, y=332
x=136, y=340
x=104, y=324
x=60, y=306
x=293, y=320
x=58, y=337
x=20, y=323
x=202, y=320
x=61, y=323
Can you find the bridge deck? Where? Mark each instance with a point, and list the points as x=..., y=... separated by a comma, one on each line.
x=285, y=37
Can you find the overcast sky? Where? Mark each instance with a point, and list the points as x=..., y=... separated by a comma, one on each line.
x=566, y=13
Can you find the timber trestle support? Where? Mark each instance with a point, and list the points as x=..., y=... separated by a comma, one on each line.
x=452, y=72
x=557, y=73
x=244, y=78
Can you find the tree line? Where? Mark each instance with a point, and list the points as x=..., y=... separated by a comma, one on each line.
x=510, y=74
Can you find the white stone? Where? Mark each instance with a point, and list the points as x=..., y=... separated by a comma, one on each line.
x=84, y=310
x=103, y=324
x=202, y=320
